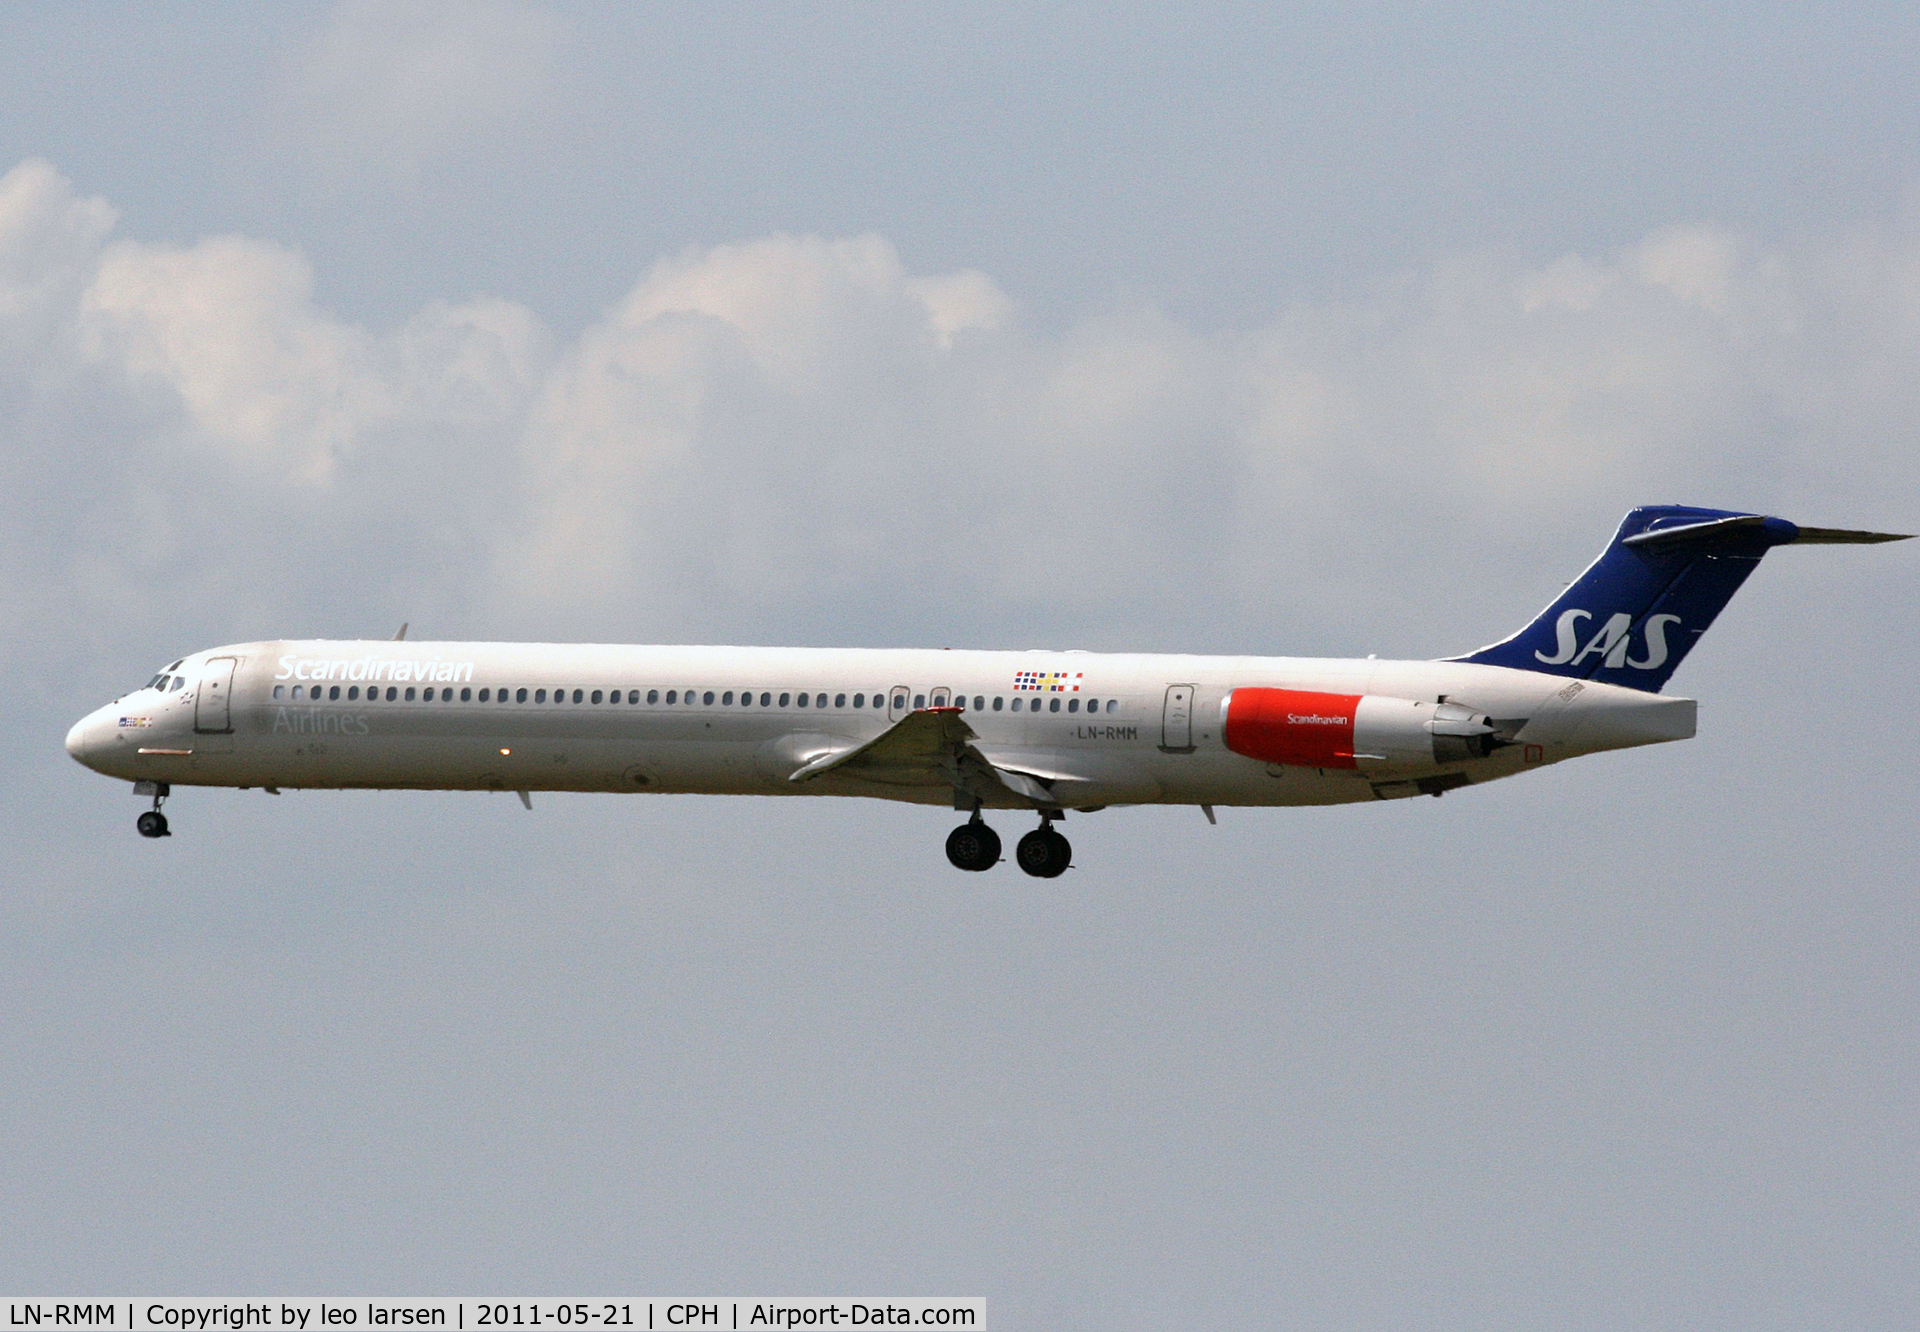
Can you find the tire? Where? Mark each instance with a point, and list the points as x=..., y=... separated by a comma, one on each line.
x=973, y=846
x=1043, y=853
x=152, y=824
x=1059, y=855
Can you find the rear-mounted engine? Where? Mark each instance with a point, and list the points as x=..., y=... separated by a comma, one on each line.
x=1364, y=731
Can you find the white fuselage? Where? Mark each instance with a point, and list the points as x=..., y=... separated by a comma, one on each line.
x=1095, y=729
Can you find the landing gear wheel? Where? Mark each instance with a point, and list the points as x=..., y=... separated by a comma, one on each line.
x=152, y=824
x=1044, y=853
x=973, y=846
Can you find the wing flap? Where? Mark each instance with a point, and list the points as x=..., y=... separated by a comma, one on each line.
x=928, y=747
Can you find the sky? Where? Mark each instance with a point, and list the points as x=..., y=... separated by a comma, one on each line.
x=1264, y=329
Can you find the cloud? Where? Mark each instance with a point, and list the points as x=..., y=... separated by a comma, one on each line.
x=48, y=243
x=796, y=431
x=393, y=82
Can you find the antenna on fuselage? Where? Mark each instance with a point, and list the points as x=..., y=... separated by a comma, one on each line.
x=402, y=634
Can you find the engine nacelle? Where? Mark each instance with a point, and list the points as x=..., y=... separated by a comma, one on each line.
x=1364, y=731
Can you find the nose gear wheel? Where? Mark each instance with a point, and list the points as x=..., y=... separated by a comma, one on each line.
x=153, y=823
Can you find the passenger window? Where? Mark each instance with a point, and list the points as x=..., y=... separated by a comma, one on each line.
x=766, y=700
x=409, y=693
x=859, y=700
x=978, y=703
x=899, y=700
x=673, y=696
x=596, y=697
x=1112, y=703
x=519, y=695
x=353, y=692
x=539, y=695
x=784, y=699
x=839, y=700
x=919, y=701
x=805, y=699
x=466, y=695
x=278, y=690
x=334, y=692
x=1073, y=705
x=1016, y=705
x=486, y=695
x=996, y=703
x=707, y=698
x=1053, y=705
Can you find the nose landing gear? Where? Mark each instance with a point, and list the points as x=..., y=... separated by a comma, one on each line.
x=1044, y=853
x=153, y=823
x=973, y=845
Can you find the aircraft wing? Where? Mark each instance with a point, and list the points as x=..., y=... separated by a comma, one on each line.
x=927, y=747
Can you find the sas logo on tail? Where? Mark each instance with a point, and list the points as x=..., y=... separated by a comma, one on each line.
x=1611, y=642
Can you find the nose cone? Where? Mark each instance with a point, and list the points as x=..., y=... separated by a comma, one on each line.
x=91, y=738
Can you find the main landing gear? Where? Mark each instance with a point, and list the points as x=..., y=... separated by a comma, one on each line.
x=153, y=823
x=973, y=845
x=1043, y=853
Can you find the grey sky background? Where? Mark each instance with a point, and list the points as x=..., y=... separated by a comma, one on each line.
x=1335, y=330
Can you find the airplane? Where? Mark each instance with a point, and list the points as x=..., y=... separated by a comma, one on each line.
x=1045, y=732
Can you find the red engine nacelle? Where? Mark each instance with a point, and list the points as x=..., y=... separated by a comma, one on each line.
x=1313, y=730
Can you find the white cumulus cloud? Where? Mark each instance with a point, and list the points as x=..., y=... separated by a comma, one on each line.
x=802, y=430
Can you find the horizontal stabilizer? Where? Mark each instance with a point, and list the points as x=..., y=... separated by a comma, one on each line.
x=1717, y=530
x=1840, y=536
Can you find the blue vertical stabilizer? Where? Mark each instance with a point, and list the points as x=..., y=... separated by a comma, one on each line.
x=1637, y=611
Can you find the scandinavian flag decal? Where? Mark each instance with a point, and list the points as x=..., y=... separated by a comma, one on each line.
x=1048, y=682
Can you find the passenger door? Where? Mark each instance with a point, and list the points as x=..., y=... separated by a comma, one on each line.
x=213, y=702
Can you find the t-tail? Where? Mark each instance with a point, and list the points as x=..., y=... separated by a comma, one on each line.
x=1637, y=611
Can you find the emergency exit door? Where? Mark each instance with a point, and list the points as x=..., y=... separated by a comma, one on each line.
x=1176, y=720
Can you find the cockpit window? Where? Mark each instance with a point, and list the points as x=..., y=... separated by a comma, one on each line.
x=161, y=682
